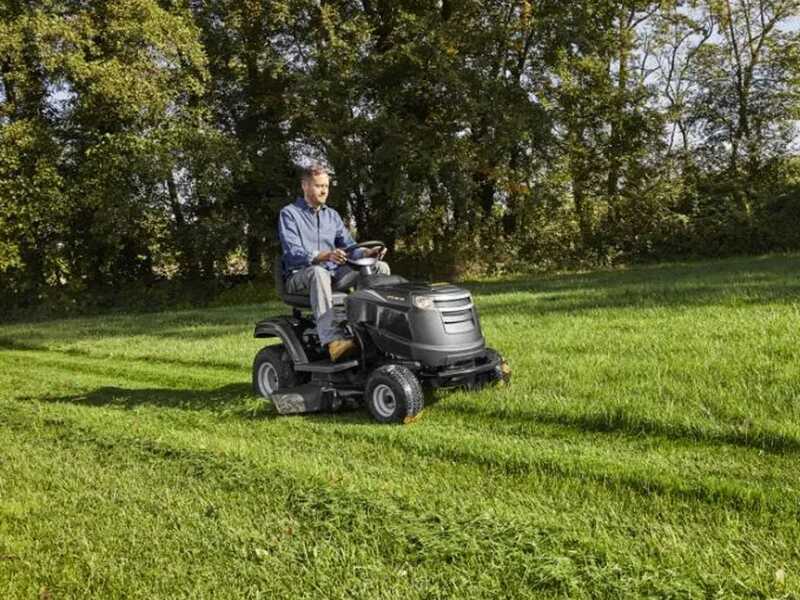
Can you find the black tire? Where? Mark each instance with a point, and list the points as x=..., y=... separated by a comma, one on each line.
x=394, y=394
x=272, y=370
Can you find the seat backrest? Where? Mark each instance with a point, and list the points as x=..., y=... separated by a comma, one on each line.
x=295, y=300
x=277, y=273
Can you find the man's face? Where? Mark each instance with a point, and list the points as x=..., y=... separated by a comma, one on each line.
x=315, y=189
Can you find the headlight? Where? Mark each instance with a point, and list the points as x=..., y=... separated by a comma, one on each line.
x=423, y=302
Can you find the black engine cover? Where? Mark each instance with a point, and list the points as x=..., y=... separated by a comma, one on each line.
x=438, y=332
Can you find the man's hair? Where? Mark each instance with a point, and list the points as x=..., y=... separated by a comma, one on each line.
x=312, y=170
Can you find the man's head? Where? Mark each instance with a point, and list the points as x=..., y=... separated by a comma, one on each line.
x=316, y=183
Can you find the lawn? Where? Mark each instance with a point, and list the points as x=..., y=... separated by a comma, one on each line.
x=648, y=446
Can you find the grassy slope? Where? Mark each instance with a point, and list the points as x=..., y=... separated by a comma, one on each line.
x=648, y=447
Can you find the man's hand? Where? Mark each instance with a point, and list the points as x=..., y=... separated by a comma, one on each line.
x=338, y=256
x=379, y=251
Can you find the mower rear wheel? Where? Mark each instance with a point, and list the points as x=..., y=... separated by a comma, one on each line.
x=272, y=370
x=394, y=394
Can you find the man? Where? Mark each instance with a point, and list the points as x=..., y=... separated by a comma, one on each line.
x=312, y=239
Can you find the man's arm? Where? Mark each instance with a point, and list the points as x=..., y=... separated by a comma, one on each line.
x=343, y=238
x=294, y=254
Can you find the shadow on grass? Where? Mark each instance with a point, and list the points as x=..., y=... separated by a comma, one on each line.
x=633, y=425
x=7, y=343
x=228, y=398
x=17, y=346
x=195, y=324
x=235, y=400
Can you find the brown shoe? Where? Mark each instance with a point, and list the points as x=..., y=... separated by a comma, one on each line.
x=341, y=348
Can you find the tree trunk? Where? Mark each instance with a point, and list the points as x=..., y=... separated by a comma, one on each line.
x=187, y=260
x=255, y=251
x=578, y=171
x=615, y=139
x=582, y=209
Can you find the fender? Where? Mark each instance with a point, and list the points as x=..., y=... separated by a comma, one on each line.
x=283, y=328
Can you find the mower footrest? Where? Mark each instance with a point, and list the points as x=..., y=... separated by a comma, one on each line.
x=326, y=366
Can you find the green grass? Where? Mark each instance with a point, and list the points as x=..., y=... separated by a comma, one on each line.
x=649, y=446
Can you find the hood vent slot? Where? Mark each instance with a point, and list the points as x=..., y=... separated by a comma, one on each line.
x=457, y=313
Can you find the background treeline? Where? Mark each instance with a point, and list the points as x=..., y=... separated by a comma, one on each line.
x=146, y=141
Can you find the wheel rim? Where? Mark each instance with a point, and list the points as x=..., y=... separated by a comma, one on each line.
x=268, y=378
x=383, y=400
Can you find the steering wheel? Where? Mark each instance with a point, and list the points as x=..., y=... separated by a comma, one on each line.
x=365, y=261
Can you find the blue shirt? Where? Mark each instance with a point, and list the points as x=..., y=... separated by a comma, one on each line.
x=304, y=233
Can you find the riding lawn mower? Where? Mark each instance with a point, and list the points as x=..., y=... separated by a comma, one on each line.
x=412, y=338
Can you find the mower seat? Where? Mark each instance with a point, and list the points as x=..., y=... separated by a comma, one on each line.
x=297, y=300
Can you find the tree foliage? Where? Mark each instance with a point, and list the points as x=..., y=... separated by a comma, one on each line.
x=144, y=140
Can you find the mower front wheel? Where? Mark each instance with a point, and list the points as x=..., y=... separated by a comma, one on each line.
x=394, y=394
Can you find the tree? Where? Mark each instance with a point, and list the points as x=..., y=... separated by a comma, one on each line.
x=253, y=101
x=747, y=83
x=88, y=90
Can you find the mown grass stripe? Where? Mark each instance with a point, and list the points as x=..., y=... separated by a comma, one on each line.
x=618, y=420
x=108, y=369
x=212, y=363
x=522, y=460
x=636, y=474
